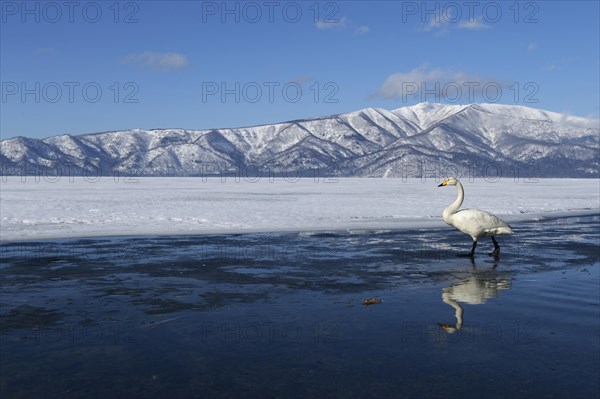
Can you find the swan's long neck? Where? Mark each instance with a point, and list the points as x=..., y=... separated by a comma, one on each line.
x=456, y=204
x=458, y=310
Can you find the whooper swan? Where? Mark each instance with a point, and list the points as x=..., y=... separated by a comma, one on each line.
x=473, y=222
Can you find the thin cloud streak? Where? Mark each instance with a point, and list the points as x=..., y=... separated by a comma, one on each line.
x=158, y=61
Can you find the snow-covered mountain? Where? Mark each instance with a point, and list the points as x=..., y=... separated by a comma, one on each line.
x=479, y=140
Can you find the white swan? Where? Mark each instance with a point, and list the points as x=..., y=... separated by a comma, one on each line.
x=474, y=290
x=473, y=222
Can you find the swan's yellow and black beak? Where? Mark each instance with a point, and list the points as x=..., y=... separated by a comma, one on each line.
x=445, y=182
x=449, y=328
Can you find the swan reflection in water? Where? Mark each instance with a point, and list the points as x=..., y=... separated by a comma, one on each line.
x=474, y=289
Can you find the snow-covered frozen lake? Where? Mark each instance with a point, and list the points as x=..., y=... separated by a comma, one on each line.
x=41, y=208
x=149, y=285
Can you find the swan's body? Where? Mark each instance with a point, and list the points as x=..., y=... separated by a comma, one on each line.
x=473, y=222
x=475, y=290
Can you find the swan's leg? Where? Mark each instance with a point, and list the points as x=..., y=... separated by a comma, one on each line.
x=472, y=253
x=496, y=247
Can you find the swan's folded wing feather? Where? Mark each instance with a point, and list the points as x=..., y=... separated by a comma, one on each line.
x=478, y=223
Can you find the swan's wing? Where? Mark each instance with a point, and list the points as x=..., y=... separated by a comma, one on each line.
x=478, y=223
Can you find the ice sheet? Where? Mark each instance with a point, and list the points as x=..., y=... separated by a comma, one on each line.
x=43, y=208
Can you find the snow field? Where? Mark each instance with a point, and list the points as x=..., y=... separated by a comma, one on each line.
x=37, y=209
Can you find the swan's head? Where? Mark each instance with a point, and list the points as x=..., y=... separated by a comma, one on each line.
x=451, y=181
x=449, y=328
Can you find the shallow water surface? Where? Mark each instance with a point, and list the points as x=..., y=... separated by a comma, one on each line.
x=281, y=315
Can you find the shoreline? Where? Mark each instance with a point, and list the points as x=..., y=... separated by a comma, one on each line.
x=373, y=229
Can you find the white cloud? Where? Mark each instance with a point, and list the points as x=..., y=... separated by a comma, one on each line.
x=342, y=23
x=442, y=25
x=473, y=24
x=437, y=83
x=531, y=46
x=332, y=25
x=589, y=121
x=436, y=24
x=362, y=30
x=395, y=85
x=158, y=61
x=562, y=63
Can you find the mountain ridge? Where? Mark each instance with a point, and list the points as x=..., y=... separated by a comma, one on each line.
x=414, y=141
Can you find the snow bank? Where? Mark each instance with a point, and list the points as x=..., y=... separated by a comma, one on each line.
x=41, y=209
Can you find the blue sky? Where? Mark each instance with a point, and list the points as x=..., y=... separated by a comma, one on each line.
x=101, y=66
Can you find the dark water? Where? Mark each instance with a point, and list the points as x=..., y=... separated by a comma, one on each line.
x=281, y=315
